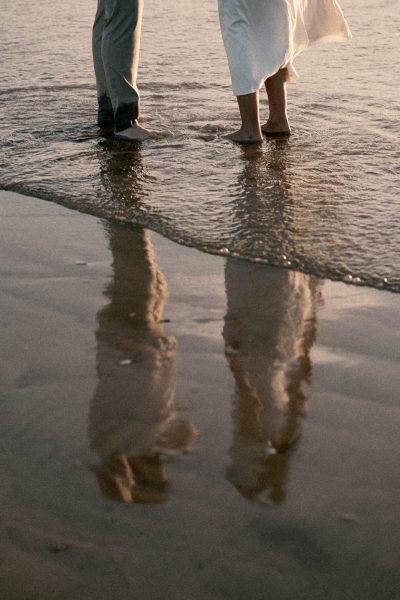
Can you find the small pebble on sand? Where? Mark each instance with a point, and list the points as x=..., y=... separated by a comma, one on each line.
x=125, y=362
x=348, y=517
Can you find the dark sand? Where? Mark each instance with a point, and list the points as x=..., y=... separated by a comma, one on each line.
x=270, y=397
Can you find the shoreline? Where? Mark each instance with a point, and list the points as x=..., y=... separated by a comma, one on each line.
x=356, y=281
x=271, y=397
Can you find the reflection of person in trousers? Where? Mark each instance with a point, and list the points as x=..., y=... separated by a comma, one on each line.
x=269, y=329
x=116, y=45
x=132, y=416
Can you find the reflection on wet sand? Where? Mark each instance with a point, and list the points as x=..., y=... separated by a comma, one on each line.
x=132, y=420
x=132, y=415
x=269, y=330
x=270, y=327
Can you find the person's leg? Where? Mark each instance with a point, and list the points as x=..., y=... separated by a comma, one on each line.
x=120, y=54
x=105, y=115
x=278, y=122
x=250, y=130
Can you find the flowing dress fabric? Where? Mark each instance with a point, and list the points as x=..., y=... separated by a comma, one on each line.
x=263, y=36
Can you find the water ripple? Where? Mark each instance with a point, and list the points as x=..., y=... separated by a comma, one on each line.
x=325, y=201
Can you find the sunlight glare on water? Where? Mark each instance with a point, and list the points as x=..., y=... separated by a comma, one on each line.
x=325, y=201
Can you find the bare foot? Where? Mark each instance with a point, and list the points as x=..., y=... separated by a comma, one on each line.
x=276, y=128
x=245, y=136
x=136, y=133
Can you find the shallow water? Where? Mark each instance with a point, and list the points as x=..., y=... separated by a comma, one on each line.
x=324, y=202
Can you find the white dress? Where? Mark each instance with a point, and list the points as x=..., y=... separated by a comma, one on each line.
x=263, y=36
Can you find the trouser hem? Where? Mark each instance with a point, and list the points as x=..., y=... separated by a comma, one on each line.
x=105, y=113
x=125, y=116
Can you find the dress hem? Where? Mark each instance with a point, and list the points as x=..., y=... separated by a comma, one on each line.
x=293, y=75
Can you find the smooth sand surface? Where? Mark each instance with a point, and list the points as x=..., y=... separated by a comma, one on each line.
x=175, y=425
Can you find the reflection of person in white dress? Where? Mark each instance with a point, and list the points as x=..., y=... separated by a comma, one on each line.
x=269, y=329
x=133, y=420
x=262, y=38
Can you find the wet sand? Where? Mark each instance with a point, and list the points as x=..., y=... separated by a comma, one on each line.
x=177, y=425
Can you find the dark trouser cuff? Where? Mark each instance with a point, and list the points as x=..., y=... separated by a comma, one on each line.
x=105, y=114
x=125, y=116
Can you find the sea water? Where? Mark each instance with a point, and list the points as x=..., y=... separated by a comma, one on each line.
x=324, y=201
